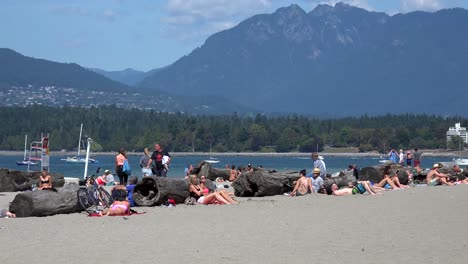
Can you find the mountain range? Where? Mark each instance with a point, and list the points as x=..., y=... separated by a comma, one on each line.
x=334, y=60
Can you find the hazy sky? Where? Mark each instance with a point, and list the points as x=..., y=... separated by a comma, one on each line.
x=144, y=34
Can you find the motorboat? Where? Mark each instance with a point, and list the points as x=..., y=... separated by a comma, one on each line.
x=461, y=162
x=212, y=160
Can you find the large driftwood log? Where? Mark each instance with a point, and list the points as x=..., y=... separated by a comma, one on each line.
x=205, y=168
x=153, y=191
x=260, y=182
x=46, y=202
x=17, y=181
x=343, y=179
x=375, y=173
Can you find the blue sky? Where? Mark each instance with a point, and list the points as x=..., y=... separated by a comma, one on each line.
x=144, y=34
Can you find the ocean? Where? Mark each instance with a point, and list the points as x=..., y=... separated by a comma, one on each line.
x=179, y=163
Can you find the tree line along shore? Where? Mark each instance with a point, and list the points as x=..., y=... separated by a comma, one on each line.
x=111, y=128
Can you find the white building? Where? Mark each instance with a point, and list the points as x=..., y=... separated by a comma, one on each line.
x=457, y=131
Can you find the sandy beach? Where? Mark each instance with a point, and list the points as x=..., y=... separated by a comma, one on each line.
x=417, y=225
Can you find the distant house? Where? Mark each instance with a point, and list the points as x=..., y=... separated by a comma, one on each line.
x=457, y=130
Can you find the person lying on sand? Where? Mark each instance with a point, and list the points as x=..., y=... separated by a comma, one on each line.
x=360, y=188
x=204, y=197
x=434, y=177
x=4, y=213
x=303, y=185
x=120, y=206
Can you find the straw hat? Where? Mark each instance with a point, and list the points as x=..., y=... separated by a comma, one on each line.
x=316, y=170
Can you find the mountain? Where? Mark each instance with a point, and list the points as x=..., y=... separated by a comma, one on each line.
x=27, y=81
x=339, y=60
x=128, y=76
x=19, y=70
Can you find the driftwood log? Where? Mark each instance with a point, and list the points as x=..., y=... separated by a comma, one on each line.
x=375, y=173
x=17, y=181
x=341, y=180
x=151, y=191
x=46, y=202
x=261, y=182
x=205, y=168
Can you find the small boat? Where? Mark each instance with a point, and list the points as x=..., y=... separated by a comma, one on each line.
x=77, y=158
x=212, y=160
x=461, y=162
x=26, y=161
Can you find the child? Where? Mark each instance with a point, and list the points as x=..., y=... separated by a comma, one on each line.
x=130, y=187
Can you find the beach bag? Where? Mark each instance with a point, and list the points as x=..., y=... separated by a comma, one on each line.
x=126, y=168
x=190, y=201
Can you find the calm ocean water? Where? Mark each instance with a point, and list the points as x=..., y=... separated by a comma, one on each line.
x=179, y=163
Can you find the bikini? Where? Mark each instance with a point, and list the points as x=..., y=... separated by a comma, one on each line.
x=121, y=206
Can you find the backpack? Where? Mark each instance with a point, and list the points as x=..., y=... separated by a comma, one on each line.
x=126, y=168
x=190, y=201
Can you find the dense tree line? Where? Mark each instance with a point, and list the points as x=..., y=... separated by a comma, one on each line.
x=112, y=127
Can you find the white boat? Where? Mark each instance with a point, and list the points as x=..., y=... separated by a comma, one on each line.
x=461, y=162
x=77, y=158
x=26, y=161
x=212, y=160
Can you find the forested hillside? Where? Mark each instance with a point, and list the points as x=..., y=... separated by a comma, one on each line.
x=133, y=129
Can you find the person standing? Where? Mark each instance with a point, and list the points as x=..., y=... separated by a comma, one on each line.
x=417, y=157
x=157, y=157
x=320, y=164
x=119, y=162
x=401, y=156
x=144, y=161
x=393, y=155
x=409, y=158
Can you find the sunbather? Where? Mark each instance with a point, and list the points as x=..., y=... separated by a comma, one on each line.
x=390, y=178
x=434, y=177
x=204, y=197
x=303, y=185
x=360, y=188
x=120, y=206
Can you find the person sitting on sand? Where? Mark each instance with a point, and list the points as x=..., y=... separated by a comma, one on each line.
x=203, y=196
x=360, y=188
x=233, y=173
x=390, y=177
x=456, y=169
x=434, y=177
x=101, y=180
x=45, y=181
x=303, y=185
x=120, y=206
x=222, y=192
x=130, y=187
x=317, y=181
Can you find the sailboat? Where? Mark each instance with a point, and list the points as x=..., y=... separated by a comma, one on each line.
x=26, y=161
x=77, y=158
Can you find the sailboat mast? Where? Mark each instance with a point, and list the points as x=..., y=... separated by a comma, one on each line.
x=79, y=140
x=25, y=144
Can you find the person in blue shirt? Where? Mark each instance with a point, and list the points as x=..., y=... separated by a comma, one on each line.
x=130, y=187
x=393, y=155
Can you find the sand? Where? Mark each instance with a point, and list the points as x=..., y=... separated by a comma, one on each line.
x=417, y=225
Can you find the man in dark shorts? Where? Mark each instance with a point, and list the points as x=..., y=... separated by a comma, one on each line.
x=161, y=159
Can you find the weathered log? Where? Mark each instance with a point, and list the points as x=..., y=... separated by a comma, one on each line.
x=151, y=191
x=205, y=168
x=375, y=173
x=46, y=202
x=343, y=179
x=260, y=182
x=16, y=181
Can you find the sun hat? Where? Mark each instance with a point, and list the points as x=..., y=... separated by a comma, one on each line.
x=107, y=171
x=316, y=170
x=436, y=165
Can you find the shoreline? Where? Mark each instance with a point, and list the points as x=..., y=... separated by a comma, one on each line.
x=427, y=153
